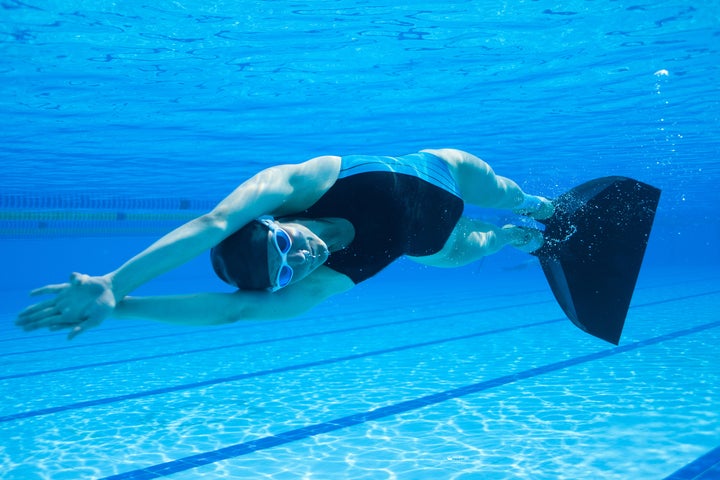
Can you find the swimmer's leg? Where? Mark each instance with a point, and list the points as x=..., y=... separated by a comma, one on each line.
x=479, y=185
x=473, y=239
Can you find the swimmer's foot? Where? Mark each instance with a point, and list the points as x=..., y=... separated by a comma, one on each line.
x=524, y=239
x=533, y=206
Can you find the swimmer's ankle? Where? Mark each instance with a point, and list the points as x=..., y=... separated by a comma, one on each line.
x=534, y=206
x=524, y=239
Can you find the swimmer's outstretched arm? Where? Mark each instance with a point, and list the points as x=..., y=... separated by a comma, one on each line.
x=284, y=188
x=85, y=301
x=203, y=309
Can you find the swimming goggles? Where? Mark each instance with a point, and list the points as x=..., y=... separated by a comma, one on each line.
x=283, y=243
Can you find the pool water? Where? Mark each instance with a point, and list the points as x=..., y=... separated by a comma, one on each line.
x=473, y=382
x=122, y=120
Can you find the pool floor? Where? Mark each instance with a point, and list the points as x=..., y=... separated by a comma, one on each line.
x=426, y=381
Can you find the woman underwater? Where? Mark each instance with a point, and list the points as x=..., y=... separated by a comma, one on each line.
x=293, y=235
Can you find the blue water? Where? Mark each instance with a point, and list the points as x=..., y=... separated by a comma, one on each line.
x=121, y=119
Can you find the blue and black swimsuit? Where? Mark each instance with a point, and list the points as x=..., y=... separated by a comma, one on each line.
x=398, y=206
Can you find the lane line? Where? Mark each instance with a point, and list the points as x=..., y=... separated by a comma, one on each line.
x=263, y=341
x=317, y=363
x=281, y=339
x=238, y=326
x=264, y=443
x=243, y=376
x=705, y=467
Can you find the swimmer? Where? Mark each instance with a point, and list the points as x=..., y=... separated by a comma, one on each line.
x=293, y=235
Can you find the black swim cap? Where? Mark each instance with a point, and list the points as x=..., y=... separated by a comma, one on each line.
x=242, y=258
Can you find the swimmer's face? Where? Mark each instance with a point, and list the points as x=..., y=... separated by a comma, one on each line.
x=307, y=252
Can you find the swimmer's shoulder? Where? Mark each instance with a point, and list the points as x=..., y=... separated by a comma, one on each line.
x=319, y=173
x=309, y=181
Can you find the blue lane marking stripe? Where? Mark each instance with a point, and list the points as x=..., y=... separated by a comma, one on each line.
x=281, y=339
x=240, y=449
x=706, y=467
x=243, y=376
x=233, y=328
x=193, y=332
x=268, y=340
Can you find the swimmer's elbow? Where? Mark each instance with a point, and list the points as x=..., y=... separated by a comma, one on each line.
x=215, y=221
x=237, y=307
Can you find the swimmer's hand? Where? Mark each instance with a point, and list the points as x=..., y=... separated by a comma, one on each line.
x=79, y=305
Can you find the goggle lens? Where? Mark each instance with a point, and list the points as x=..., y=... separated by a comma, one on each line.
x=284, y=276
x=282, y=241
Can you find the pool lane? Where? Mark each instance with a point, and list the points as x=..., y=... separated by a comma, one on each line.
x=301, y=366
x=240, y=449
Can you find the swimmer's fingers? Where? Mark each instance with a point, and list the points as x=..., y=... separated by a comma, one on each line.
x=60, y=326
x=85, y=325
x=47, y=314
x=79, y=305
x=45, y=319
x=76, y=279
x=49, y=289
x=36, y=312
x=77, y=330
x=32, y=310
